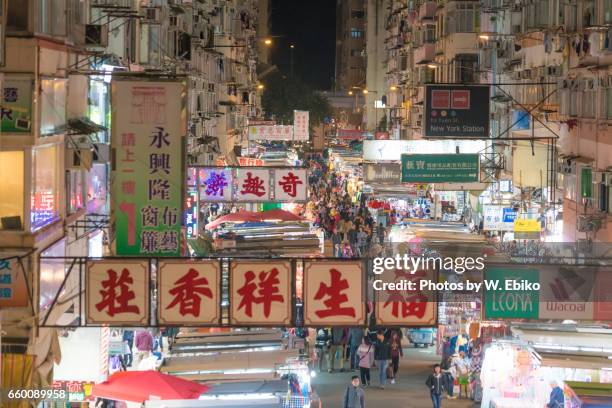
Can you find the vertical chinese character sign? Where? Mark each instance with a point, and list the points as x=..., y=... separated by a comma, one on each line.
x=118, y=292
x=149, y=126
x=189, y=292
x=260, y=293
x=333, y=293
x=300, y=125
x=406, y=307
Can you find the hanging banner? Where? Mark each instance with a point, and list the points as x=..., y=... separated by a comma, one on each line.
x=440, y=168
x=300, y=125
x=405, y=307
x=261, y=293
x=290, y=185
x=189, y=292
x=149, y=127
x=118, y=292
x=253, y=185
x=16, y=108
x=456, y=111
x=13, y=288
x=508, y=301
x=390, y=173
x=566, y=292
x=334, y=293
x=267, y=132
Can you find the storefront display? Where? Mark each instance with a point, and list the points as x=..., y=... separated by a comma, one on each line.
x=11, y=190
x=45, y=186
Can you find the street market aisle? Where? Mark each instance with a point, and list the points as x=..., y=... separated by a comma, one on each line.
x=408, y=392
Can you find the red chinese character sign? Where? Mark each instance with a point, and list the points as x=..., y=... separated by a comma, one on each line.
x=261, y=293
x=118, y=292
x=406, y=306
x=333, y=293
x=189, y=292
x=290, y=185
x=253, y=185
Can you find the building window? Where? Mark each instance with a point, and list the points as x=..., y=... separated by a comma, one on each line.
x=356, y=33
x=357, y=14
x=355, y=53
x=467, y=18
x=45, y=181
x=75, y=190
x=18, y=12
x=11, y=190
x=588, y=103
x=52, y=17
x=53, y=105
x=569, y=186
x=608, y=103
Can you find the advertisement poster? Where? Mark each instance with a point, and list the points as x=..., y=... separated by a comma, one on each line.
x=189, y=292
x=334, y=293
x=456, y=111
x=440, y=168
x=16, y=109
x=118, y=292
x=261, y=293
x=271, y=132
x=567, y=292
x=149, y=127
x=501, y=303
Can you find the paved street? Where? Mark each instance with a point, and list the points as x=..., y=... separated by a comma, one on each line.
x=408, y=392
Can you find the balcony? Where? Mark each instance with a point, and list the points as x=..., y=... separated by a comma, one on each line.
x=427, y=11
x=424, y=53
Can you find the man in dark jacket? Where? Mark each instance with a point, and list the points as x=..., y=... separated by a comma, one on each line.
x=354, y=397
x=382, y=354
x=354, y=341
x=436, y=382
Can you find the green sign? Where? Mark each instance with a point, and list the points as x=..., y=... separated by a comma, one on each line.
x=440, y=168
x=148, y=132
x=512, y=293
x=16, y=108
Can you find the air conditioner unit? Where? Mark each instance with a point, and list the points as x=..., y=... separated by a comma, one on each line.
x=101, y=153
x=79, y=159
x=152, y=15
x=93, y=35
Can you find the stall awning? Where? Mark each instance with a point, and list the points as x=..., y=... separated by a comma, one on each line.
x=571, y=342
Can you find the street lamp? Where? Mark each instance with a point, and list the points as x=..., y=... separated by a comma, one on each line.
x=393, y=88
x=365, y=91
x=268, y=41
x=260, y=87
x=350, y=92
x=291, y=47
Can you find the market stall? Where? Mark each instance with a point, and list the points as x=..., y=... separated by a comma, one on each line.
x=588, y=394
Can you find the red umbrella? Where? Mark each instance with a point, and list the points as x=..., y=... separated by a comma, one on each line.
x=279, y=215
x=239, y=217
x=140, y=386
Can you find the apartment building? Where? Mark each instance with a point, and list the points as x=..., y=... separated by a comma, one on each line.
x=55, y=126
x=350, y=45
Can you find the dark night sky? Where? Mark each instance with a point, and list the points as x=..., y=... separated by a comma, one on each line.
x=311, y=26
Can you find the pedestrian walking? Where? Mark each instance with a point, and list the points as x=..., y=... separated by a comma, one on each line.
x=322, y=344
x=396, y=353
x=143, y=340
x=366, y=358
x=382, y=354
x=461, y=365
x=339, y=338
x=557, y=399
x=354, y=397
x=355, y=338
x=128, y=340
x=436, y=384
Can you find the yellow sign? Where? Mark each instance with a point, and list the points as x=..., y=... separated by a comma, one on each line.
x=521, y=225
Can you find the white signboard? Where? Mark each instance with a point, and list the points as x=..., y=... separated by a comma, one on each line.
x=392, y=150
x=252, y=185
x=267, y=132
x=496, y=219
x=290, y=185
x=300, y=125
